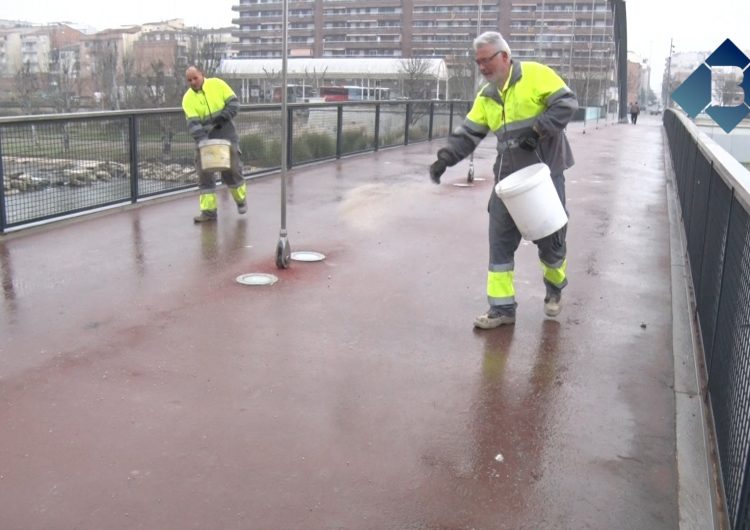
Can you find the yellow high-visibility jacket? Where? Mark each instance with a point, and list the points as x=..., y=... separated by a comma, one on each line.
x=204, y=107
x=533, y=96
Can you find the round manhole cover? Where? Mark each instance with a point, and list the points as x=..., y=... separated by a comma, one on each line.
x=307, y=255
x=257, y=278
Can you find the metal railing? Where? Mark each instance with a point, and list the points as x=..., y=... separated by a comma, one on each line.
x=714, y=196
x=57, y=165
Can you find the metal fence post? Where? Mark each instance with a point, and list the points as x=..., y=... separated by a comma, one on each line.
x=289, y=139
x=406, y=123
x=133, y=144
x=432, y=115
x=377, y=126
x=3, y=214
x=339, y=127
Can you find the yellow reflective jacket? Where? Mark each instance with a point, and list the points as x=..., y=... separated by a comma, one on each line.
x=203, y=107
x=533, y=96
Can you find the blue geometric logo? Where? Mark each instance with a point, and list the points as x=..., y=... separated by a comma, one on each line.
x=694, y=94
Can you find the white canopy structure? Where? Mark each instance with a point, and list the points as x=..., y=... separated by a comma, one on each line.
x=260, y=74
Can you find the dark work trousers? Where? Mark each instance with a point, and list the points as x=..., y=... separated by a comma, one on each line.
x=505, y=237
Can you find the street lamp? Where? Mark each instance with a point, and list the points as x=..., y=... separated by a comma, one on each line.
x=667, y=98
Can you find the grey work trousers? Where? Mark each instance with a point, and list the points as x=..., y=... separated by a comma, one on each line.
x=504, y=236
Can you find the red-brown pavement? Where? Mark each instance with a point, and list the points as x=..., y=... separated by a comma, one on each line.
x=142, y=387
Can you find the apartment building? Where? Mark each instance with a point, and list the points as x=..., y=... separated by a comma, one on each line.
x=173, y=46
x=361, y=28
x=575, y=37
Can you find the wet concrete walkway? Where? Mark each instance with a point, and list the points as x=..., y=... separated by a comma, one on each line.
x=142, y=387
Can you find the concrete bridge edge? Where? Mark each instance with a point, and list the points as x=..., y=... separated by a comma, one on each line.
x=700, y=495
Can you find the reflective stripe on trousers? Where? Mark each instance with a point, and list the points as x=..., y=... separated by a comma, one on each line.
x=504, y=239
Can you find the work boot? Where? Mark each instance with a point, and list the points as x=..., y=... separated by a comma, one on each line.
x=242, y=207
x=552, y=304
x=495, y=317
x=205, y=216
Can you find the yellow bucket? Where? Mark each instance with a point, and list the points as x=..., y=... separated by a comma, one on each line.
x=215, y=155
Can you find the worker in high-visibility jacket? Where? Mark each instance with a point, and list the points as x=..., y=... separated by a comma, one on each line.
x=210, y=105
x=527, y=106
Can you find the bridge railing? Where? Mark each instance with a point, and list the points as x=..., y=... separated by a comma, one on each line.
x=54, y=166
x=714, y=196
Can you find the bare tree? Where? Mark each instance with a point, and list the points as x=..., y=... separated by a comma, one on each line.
x=27, y=88
x=27, y=85
x=417, y=76
x=104, y=74
x=273, y=78
x=64, y=81
x=315, y=79
x=204, y=50
x=462, y=77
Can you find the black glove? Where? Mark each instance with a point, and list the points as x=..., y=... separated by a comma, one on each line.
x=218, y=121
x=529, y=140
x=437, y=169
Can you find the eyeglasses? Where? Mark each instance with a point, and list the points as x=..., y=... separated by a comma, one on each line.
x=486, y=60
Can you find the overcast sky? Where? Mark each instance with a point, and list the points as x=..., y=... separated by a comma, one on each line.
x=694, y=26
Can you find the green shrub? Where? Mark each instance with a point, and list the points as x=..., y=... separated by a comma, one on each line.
x=253, y=147
x=273, y=155
x=353, y=141
x=301, y=152
x=319, y=145
x=417, y=134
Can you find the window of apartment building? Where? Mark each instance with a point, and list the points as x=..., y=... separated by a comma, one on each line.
x=361, y=11
x=554, y=38
x=551, y=8
x=447, y=9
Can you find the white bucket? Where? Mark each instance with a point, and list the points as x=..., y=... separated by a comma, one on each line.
x=532, y=201
x=215, y=155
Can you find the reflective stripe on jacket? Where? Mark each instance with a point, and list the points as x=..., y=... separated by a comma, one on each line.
x=214, y=98
x=533, y=95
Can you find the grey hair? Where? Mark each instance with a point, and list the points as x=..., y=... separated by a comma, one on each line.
x=494, y=39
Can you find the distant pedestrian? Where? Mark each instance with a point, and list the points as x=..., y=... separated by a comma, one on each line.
x=635, y=110
x=210, y=105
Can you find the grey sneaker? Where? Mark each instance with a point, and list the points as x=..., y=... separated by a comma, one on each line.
x=492, y=319
x=205, y=216
x=552, y=305
x=242, y=207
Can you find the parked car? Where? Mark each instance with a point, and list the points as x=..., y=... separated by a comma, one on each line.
x=654, y=109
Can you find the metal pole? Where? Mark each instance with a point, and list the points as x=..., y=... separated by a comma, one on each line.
x=667, y=100
x=282, y=248
x=588, y=70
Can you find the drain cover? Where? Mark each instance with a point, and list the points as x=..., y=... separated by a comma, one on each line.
x=257, y=278
x=307, y=255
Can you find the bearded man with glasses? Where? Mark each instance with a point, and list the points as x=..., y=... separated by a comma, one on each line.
x=527, y=106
